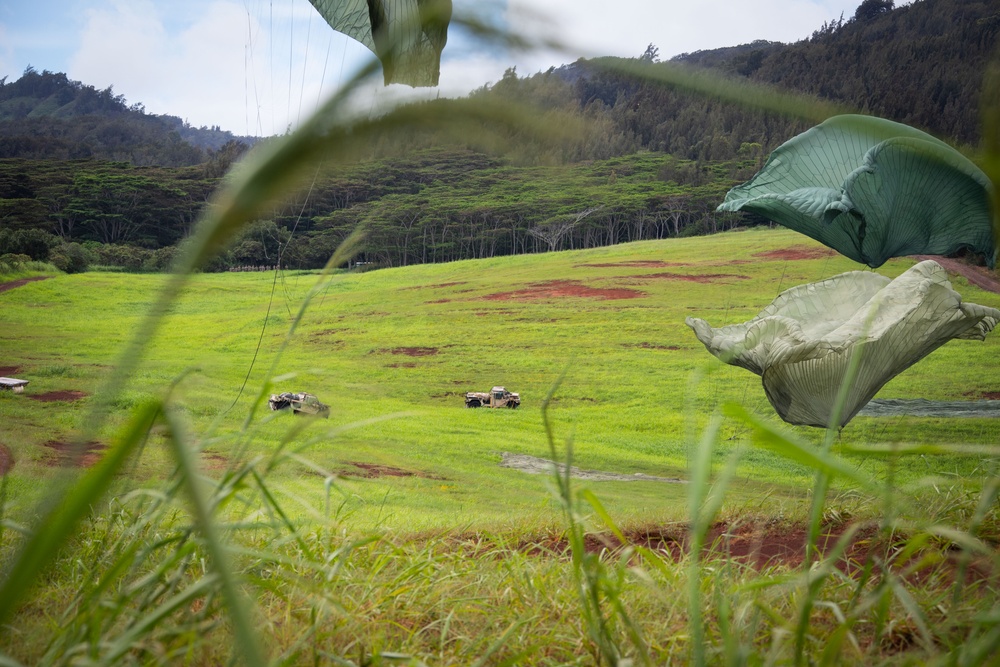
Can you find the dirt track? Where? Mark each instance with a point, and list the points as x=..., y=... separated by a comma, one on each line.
x=979, y=276
x=18, y=283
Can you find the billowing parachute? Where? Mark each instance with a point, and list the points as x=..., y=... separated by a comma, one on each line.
x=872, y=189
x=406, y=35
x=802, y=343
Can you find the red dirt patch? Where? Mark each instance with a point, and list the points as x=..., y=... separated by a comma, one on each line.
x=6, y=460
x=68, y=453
x=405, y=364
x=64, y=395
x=697, y=278
x=438, y=285
x=408, y=351
x=213, y=461
x=440, y=301
x=373, y=470
x=7, y=371
x=765, y=544
x=18, y=283
x=557, y=289
x=987, y=395
x=651, y=346
x=980, y=276
x=796, y=252
x=646, y=263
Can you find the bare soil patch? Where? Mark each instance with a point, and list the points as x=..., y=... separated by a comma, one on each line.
x=558, y=289
x=18, y=283
x=69, y=453
x=375, y=470
x=639, y=263
x=404, y=364
x=7, y=371
x=61, y=395
x=213, y=461
x=409, y=351
x=438, y=285
x=537, y=466
x=987, y=395
x=651, y=346
x=440, y=301
x=980, y=276
x=693, y=278
x=6, y=460
x=763, y=544
x=796, y=252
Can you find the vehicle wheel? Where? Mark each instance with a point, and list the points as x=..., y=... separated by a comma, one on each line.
x=473, y=404
x=513, y=406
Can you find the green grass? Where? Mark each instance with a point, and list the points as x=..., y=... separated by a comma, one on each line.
x=628, y=394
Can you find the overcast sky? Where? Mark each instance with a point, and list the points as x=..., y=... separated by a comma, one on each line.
x=258, y=66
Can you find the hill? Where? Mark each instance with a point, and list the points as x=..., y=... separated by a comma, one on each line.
x=48, y=116
x=921, y=64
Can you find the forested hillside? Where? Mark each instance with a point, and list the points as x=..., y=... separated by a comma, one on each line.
x=47, y=116
x=85, y=179
x=920, y=64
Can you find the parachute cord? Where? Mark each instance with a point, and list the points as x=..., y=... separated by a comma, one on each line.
x=274, y=282
x=291, y=46
x=305, y=63
x=781, y=280
x=260, y=339
x=322, y=79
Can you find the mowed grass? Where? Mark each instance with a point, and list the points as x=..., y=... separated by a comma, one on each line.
x=393, y=351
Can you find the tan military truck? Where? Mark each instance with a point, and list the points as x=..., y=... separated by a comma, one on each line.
x=497, y=397
x=299, y=403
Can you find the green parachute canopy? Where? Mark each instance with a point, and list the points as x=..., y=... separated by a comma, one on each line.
x=872, y=189
x=802, y=343
x=406, y=35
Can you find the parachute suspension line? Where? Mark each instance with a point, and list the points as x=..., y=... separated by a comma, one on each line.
x=291, y=46
x=247, y=50
x=260, y=339
x=322, y=79
x=305, y=61
x=249, y=64
x=784, y=267
x=270, y=57
x=343, y=59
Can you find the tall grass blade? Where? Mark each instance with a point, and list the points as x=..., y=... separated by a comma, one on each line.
x=60, y=520
x=237, y=603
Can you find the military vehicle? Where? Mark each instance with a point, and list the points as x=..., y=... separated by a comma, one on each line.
x=497, y=397
x=299, y=403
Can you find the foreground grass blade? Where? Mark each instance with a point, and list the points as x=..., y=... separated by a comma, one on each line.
x=60, y=521
x=785, y=444
x=237, y=603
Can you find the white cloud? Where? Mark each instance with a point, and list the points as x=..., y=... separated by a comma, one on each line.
x=256, y=67
x=223, y=65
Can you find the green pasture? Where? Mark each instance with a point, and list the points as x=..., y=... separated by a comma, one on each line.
x=393, y=351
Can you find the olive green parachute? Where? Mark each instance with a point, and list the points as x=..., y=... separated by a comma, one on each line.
x=872, y=189
x=406, y=35
x=802, y=343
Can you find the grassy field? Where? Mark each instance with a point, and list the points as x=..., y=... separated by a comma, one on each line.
x=393, y=351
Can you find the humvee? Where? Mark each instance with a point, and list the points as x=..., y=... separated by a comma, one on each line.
x=299, y=403
x=497, y=397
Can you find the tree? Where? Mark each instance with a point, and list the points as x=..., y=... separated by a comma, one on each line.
x=552, y=231
x=651, y=54
x=869, y=9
